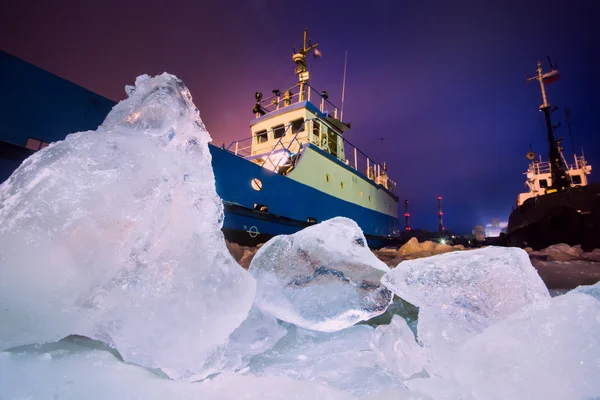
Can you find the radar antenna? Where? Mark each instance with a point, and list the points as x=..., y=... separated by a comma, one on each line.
x=300, y=59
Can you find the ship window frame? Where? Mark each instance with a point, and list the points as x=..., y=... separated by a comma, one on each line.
x=316, y=132
x=332, y=145
x=35, y=144
x=277, y=129
x=262, y=136
x=297, y=125
x=543, y=183
x=578, y=177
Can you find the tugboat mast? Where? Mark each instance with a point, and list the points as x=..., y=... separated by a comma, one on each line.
x=559, y=176
x=300, y=59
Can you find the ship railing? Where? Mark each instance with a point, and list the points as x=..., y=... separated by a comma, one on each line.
x=291, y=143
x=544, y=167
x=539, y=167
x=364, y=164
x=355, y=158
x=283, y=144
x=580, y=162
x=296, y=94
x=242, y=148
x=288, y=142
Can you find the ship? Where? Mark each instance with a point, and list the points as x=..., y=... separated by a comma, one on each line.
x=560, y=205
x=294, y=170
x=297, y=169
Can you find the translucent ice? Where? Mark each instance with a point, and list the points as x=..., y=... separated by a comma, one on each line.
x=546, y=350
x=72, y=372
x=346, y=360
x=115, y=234
x=461, y=293
x=323, y=277
x=257, y=334
x=591, y=290
x=549, y=350
x=397, y=349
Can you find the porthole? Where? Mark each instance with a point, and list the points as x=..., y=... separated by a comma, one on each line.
x=326, y=177
x=256, y=184
x=361, y=194
x=342, y=185
x=369, y=197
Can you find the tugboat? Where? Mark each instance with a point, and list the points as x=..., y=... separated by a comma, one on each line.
x=297, y=169
x=560, y=206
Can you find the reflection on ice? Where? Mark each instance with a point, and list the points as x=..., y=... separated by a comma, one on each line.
x=323, y=278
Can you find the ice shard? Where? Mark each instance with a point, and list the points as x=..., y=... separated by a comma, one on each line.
x=114, y=234
x=549, y=350
x=257, y=334
x=398, y=350
x=323, y=277
x=346, y=360
x=459, y=294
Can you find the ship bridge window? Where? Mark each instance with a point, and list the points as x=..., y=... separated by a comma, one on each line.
x=261, y=136
x=316, y=132
x=331, y=142
x=278, y=131
x=297, y=125
x=576, y=179
x=35, y=144
x=543, y=183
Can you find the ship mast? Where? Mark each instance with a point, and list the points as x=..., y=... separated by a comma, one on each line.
x=300, y=59
x=559, y=176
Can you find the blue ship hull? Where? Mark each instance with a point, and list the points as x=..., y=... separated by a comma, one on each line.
x=288, y=206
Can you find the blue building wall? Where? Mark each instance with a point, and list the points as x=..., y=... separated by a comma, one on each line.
x=36, y=103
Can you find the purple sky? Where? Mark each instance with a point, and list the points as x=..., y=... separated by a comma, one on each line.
x=443, y=82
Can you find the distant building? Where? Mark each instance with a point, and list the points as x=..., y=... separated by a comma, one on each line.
x=479, y=233
x=495, y=228
x=38, y=107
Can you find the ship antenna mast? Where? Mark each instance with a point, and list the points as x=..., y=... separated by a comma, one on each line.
x=344, y=87
x=300, y=59
x=559, y=178
x=568, y=118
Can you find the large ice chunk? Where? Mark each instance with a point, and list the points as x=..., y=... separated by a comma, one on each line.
x=70, y=371
x=459, y=294
x=323, y=277
x=347, y=360
x=549, y=350
x=115, y=234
